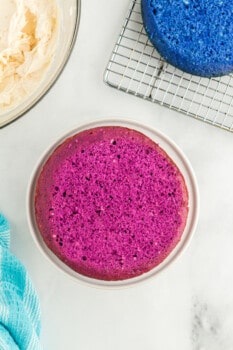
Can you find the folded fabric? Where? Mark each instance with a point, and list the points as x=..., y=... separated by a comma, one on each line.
x=19, y=306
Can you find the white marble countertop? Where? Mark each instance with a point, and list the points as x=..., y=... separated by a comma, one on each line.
x=187, y=307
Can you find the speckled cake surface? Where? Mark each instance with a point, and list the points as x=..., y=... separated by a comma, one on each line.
x=193, y=35
x=110, y=203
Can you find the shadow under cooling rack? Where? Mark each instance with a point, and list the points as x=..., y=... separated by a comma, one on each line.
x=136, y=68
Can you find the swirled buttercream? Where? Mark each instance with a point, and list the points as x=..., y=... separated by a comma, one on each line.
x=28, y=37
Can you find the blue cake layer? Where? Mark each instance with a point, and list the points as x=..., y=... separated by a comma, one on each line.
x=195, y=36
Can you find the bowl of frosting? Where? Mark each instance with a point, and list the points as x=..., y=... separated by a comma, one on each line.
x=36, y=39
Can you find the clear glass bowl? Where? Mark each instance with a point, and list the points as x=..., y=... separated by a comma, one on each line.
x=180, y=160
x=69, y=16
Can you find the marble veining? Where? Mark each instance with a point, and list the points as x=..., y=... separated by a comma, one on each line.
x=208, y=328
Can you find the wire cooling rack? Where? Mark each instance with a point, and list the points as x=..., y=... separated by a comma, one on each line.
x=136, y=68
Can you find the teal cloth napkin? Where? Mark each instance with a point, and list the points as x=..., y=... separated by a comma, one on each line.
x=19, y=305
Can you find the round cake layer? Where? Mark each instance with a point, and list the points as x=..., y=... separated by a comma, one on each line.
x=110, y=203
x=195, y=36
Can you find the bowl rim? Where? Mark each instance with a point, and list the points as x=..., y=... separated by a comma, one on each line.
x=193, y=213
x=55, y=77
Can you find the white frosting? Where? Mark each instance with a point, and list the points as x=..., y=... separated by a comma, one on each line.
x=28, y=34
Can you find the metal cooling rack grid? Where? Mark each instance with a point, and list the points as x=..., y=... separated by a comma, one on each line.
x=136, y=68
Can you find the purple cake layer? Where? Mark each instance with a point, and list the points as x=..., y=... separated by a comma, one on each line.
x=110, y=203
